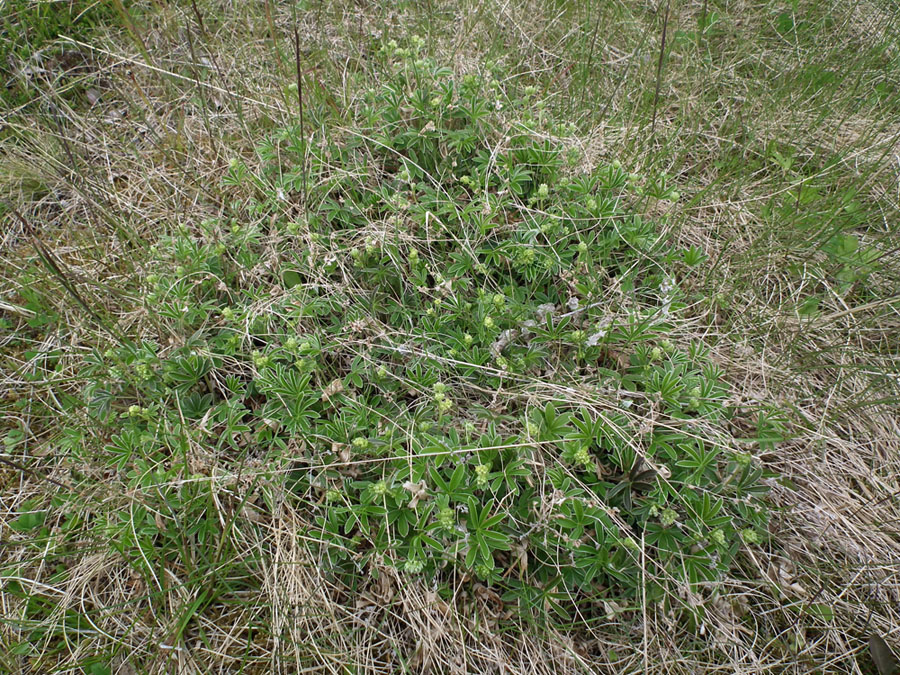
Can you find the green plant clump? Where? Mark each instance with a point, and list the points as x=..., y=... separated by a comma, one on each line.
x=451, y=348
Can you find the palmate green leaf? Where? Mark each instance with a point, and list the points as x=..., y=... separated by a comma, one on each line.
x=620, y=491
x=749, y=483
x=695, y=569
x=475, y=514
x=511, y=473
x=100, y=403
x=185, y=371
x=587, y=430
x=194, y=406
x=438, y=480
x=708, y=508
x=483, y=547
x=496, y=540
x=669, y=540
x=97, y=668
x=590, y=562
x=471, y=556
x=700, y=459
x=30, y=520
x=291, y=278
x=457, y=479
x=462, y=264
x=300, y=413
x=548, y=596
x=492, y=521
x=402, y=519
x=125, y=445
x=284, y=382
x=556, y=426
x=431, y=542
x=359, y=516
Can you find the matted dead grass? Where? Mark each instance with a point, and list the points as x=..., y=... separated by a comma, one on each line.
x=150, y=150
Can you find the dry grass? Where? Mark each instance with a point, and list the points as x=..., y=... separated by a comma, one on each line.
x=101, y=179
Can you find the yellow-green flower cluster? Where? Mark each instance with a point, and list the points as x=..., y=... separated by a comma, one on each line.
x=668, y=517
x=583, y=456
x=413, y=566
x=446, y=517
x=482, y=472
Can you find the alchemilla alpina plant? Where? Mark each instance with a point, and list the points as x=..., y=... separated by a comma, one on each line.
x=453, y=347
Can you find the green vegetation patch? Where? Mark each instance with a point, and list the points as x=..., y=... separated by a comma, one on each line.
x=30, y=48
x=454, y=349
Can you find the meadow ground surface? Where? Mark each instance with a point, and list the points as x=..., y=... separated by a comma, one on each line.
x=552, y=337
